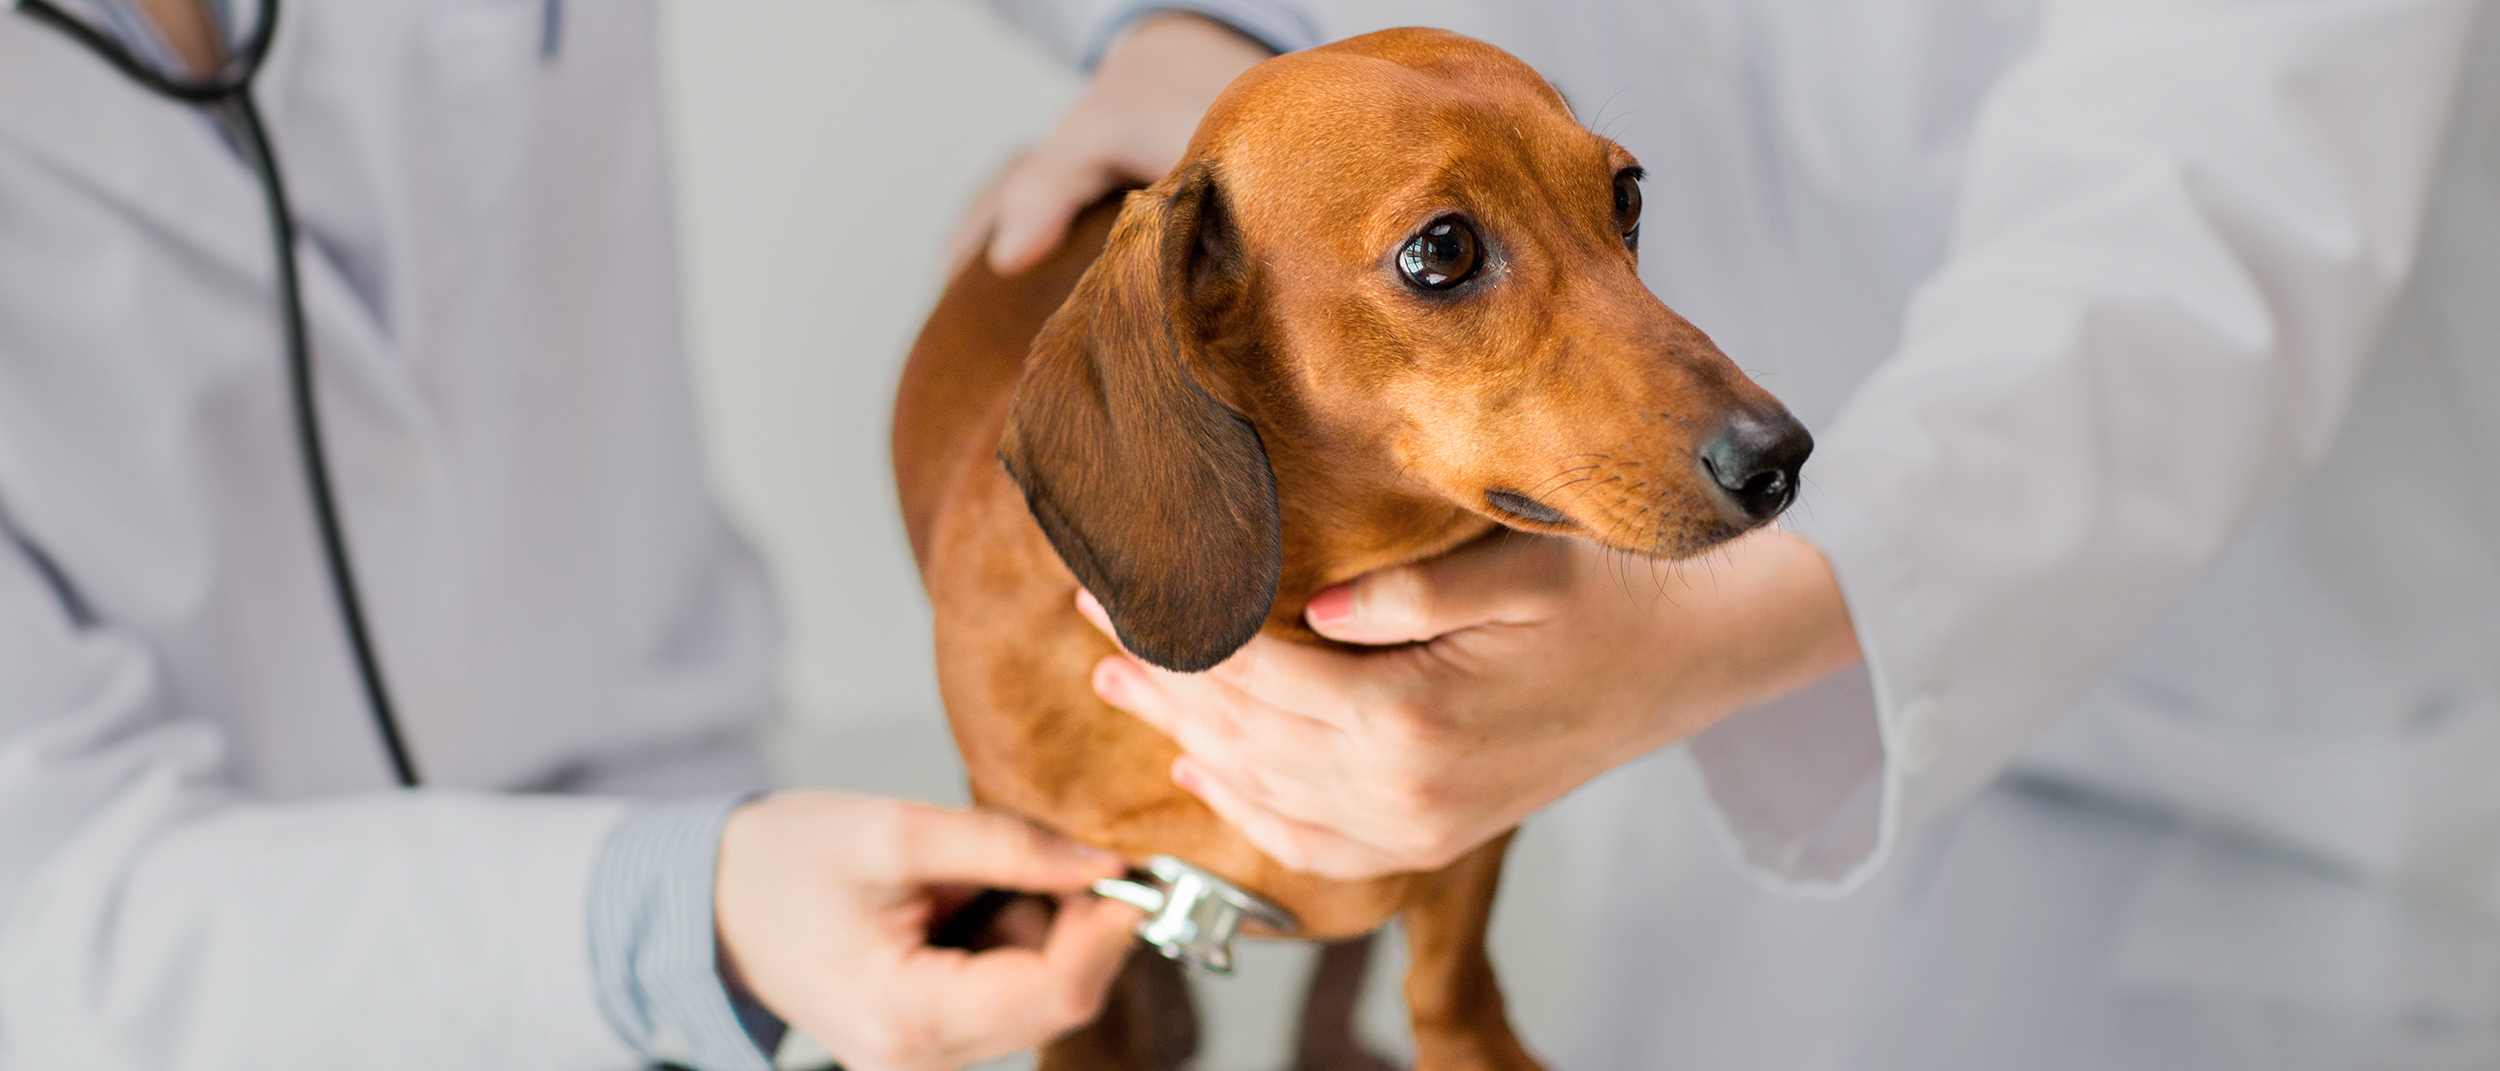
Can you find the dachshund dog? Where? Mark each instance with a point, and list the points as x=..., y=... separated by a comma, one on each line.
x=1386, y=303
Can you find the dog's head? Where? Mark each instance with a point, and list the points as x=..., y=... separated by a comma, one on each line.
x=1405, y=254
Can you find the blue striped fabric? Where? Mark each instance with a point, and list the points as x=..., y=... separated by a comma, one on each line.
x=1279, y=26
x=652, y=950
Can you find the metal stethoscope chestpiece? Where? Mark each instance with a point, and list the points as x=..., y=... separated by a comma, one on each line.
x=1191, y=914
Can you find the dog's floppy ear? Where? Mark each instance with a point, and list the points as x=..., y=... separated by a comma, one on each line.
x=1157, y=496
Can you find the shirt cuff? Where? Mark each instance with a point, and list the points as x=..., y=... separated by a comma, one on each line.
x=1278, y=27
x=653, y=953
x=1799, y=787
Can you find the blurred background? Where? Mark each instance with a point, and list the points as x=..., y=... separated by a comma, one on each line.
x=824, y=150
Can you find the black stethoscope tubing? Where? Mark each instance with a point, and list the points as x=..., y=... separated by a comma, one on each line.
x=230, y=89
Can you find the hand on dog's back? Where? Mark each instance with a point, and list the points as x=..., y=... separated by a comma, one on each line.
x=1130, y=127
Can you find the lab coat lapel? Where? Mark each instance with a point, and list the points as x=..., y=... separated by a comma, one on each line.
x=164, y=163
x=160, y=160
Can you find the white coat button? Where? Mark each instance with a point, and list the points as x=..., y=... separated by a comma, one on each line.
x=1918, y=739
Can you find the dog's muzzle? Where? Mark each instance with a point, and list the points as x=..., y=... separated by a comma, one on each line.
x=1191, y=914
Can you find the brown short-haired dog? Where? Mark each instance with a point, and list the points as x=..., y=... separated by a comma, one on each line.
x=1386, y=303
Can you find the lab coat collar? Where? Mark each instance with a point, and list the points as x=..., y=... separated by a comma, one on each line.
x=158, y=159
x=165, y=163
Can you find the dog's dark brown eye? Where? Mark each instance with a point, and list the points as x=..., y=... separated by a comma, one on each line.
x=1628, y=206
x=1443, y=256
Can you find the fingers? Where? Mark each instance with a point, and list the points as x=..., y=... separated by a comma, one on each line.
x=1199, y=712
x=1064, y=985
x=1087, y=942
x=934, y=845
x=1135, y=119
x=1506, y=578
x=1298, y=845
x=1281, y=736
x=822, y=901
x=1285, y=678
x=946, y=1008
x=1212, y=709
x=1288, y=762
x=1046, y=990
x=1036, y=201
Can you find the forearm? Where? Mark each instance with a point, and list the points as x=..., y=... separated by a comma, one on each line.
x=432, y=929
x=2181, y=226
x=2181, y=229
x=1745, y=623
x=151, y=918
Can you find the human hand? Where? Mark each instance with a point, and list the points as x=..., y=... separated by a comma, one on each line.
x=1498, y=678
x=1138, y=112
x=824, y=904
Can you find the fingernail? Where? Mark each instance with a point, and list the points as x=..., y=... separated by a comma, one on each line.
x=1008, y=248
x=1111, y=681
x=1101, y=856
x=1334, y=606
x=1185, y=774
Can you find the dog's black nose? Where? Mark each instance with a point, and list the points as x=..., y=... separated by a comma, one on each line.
x=1754, y=461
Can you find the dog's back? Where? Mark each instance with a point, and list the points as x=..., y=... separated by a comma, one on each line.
x=952, y=402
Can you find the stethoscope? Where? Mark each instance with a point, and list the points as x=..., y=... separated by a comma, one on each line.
x=229, y=90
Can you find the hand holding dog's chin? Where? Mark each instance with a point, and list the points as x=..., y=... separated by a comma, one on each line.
x=1131, y=125
x=1507, y=674
x=823, y=903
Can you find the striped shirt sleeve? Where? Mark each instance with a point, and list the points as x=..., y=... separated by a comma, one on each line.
x=1081, y=30
x=652, y=949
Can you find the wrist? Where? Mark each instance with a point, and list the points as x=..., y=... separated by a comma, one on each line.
x=1797, y=619
x=1179, y=50
x=1182, y=28
x=655, y=939
x=1763, y=618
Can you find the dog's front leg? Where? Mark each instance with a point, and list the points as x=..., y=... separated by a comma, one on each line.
x=1451, y=995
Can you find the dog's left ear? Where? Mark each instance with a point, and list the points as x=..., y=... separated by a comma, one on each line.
x=1158, y=496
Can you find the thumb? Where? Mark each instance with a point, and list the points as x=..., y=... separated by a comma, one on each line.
x=1505, y=578
x=989, y=848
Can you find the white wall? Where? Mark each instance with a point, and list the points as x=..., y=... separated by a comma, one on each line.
x=824, y=150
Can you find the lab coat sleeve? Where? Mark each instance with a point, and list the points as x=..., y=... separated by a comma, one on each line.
x=1079, y=30
x=2181, y=224
x=152, y=919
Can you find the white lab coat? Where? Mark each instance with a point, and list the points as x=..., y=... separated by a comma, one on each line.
x=202, y=863
x=2149, y=346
